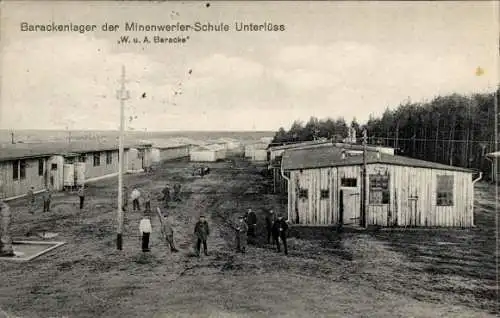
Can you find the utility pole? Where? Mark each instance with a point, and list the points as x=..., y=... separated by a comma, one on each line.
x=122, y=95
x=365, y=182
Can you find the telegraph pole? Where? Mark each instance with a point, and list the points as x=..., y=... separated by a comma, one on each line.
x=365, y=183
x=122, y=95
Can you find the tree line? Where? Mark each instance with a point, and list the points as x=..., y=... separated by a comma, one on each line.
x=454, y=129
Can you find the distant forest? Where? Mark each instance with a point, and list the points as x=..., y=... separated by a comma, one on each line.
x=455, y=129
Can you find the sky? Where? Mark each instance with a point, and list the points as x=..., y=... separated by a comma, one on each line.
x=334, y=59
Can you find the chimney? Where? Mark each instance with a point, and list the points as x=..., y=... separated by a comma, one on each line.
x=343, y=154
x=378, y=154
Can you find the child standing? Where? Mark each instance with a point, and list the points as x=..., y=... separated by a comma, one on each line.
x=145, y=230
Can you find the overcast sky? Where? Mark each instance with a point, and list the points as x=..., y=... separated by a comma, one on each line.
x=334, y=59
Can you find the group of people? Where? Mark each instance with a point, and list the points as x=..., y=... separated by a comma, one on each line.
x=246, y=228
x=201, y=232
x=47, y=198
x=277, y=229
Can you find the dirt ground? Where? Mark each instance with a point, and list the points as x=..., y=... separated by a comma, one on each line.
x=412, y=273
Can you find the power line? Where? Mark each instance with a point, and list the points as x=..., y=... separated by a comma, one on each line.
x=431, y=140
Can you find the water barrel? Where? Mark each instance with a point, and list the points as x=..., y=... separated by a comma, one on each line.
x=69, y=175
x=80, y=173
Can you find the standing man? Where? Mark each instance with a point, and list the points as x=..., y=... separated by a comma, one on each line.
x=166, y=195
x=47, y=196
x=81, y=195
x=280, y=231
x=241, y=235
x=147, y=200
x=168, y=231
x=270, y=218
x=177, y=192
x=252, y=226
x=145, y=230
x=136, y=194
x=201, y=231
x=31, y=200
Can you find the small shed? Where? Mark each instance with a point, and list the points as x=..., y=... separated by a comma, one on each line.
x=163, y=150
x=209, y=153
x=256, y=150
x=325, y=187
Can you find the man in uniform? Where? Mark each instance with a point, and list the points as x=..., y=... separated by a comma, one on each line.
x=201, y=231
x=81, y=195
x=168, y=232
x=241, y=235
x=280, y=231
x=166, y=195
x=270, y=218
x=252, y=226
x=134, y=196
x=47, y=196
x=177, y=192
x=147, y=200
x=31, y=200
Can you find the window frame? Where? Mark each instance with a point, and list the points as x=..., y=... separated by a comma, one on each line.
x=15, y=170
x=109, y=157
x=22, y=169
x=348, y=182
x=379, y=189
x=445, y=197
x=324, y=194
x=96, y=159
x=41, y=167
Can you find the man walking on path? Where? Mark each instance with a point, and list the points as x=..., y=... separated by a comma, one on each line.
x=280, y=231
x=81, y=195
x=270, y=218
x=241, y=235
x=31, y=200
x=47, y=196
x=252, y=226
x=168, y=232
x=145, y=230
x=134, y=196
x=201, y=231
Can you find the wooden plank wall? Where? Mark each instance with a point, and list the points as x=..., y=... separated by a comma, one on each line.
x=11, y=188
x=103, y=169
x=174, y=153
x=404, y=182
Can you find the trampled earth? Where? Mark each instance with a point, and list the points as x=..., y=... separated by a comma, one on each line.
x=412, y=273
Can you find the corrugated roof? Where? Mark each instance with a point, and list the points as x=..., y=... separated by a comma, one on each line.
x=165, y=143
x=21, y=150
x=300, y=144
x=331, y=156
